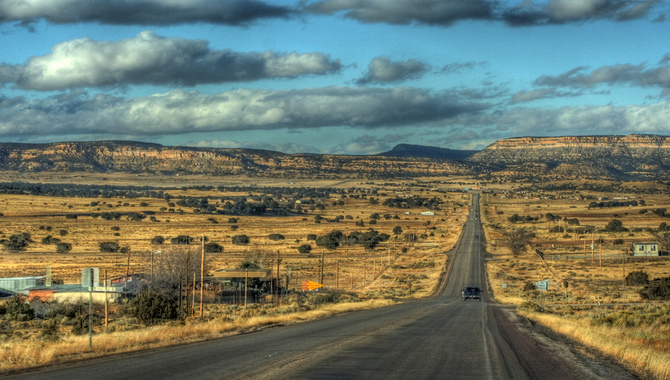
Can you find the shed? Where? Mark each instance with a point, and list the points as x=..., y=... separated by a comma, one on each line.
x=645, y=249
x=21, y=284
x=228, y=274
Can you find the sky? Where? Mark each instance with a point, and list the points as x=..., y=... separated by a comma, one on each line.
x=331, y=76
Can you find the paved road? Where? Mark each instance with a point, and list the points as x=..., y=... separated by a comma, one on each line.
x=437, y=338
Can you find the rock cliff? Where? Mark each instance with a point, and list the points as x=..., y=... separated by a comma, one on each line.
x=614, y=157
x=133, y=157
x=634, y=157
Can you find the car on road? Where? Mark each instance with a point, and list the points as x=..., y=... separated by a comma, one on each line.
x=472, y=293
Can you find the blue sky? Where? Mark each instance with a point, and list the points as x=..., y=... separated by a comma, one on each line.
x=331, y=76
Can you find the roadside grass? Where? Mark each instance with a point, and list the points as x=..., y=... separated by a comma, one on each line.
x=221, y=322
x=638, y=336
x=643, y=347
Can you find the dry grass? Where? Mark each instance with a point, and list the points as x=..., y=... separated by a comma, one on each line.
x=593, y=281
x=34, y=353
x=374, y=275
x=638, y=354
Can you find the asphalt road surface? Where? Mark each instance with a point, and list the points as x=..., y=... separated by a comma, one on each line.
x=437, y=338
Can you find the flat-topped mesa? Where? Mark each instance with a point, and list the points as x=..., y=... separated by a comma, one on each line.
x=133, y=157
x=634, y=140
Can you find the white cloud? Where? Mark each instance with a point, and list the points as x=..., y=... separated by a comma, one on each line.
x=383, y=70
x=179, y=111
x=141, y=12
x=152, y=59
x=434, y=12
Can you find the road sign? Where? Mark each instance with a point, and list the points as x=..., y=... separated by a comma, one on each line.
x=542, y=285
x=310, y=285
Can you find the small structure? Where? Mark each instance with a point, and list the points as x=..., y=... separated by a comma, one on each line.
x=20, y=285
x=230, y=274
x=428, y=213
x=645, y=249
x=542, y=286
x=90, y=277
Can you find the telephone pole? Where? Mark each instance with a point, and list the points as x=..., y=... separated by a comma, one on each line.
x=202, y=275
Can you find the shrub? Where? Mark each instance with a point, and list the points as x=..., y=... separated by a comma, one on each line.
x=152, y=307
x=241, y=239
x=17, y=242
x=182, y=240
x=311, y=237
x=637, y=277
x=18, y=310
x=615, y=225
x=232, y=220
x=528, y=286
x=658, y=289
x=50, y=240
x=62, y=232
x=63, y=247
x=213, y=248
x=305, y=248
x=109, y=246
x=135, y=217
x=276, y=237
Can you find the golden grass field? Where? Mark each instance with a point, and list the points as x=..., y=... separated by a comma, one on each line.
x=599, y=311
x=371, y=275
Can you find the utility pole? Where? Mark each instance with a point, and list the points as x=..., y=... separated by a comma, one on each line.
x=128, y=265
x=278, y=262
x=337, y=278
x=193, y=294
x=623, y=267
x=106, y=303
x=323, y=256
x=90, y=312
x=601, y=256
x=592, y=258
x=202, y=275
x=246, y=286
x=152, y=267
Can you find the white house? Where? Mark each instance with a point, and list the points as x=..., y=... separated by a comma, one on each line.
x=645, y=249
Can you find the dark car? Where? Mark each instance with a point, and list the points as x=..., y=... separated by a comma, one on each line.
x=471, y=292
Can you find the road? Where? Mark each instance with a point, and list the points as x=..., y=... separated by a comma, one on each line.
x=437, y=338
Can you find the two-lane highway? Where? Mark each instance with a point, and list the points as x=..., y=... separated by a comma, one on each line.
x=437, y=338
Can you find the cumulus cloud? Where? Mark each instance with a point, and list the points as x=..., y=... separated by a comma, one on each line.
x=179, y=111
x=152, y=59
x=634, y=75
x=447, y=12
x=587, y=120
x=383, y=70
x=432, y=12
x=141, y=12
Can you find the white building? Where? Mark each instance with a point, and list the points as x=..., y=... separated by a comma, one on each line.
x=645, y=249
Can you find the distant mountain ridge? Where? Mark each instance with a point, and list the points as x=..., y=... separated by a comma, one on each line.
x=134, y=157
x=409, y=150
x=635, y=156
x=631, y=157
